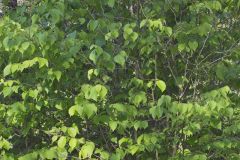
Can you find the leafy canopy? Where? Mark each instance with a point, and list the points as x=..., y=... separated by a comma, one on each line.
x=108, y=79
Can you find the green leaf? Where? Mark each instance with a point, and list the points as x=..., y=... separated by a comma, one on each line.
x=181, y=47
x=161, y=85
x=54, y=138
x=93, y=24
x=134, y=36
x=113, y=125
x=168, y=30
x=72, y=131
x=33, y=93
x=128, y=31
x=139, y=98
x=219, y=144
x=90, y=72
x=42, y=61
x=204, y=28
x=87, y=150
x=7, y=91
x=56, y=15
x=72, y=110
x=199, y=157
x=215, y=5
x=103, y=154
x=230, y=112
x=34, y=18
x=108, y=36
x=58, y=74
x=6, y=43
x=93, y=94
x=89, y=109
x=62, y=142
x=143, y=23
x=49, y=153
x=124, y=140
x=94, y=56
x=193, y=45
x=140, y=124
x=133, y=149
x=111, y=3
x=14, y=68
x=101, y=90
x=119, y=107
x=115, y=157
x=24, y=47
x=156, y=112
x=4, y=144
x=157, y=24
x=7, y=70
x=120, y=59
x=30, y=156
x=73, y=143
x=221, y=71
x=82, y=20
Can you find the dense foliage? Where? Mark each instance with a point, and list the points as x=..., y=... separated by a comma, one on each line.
x=126, y=79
